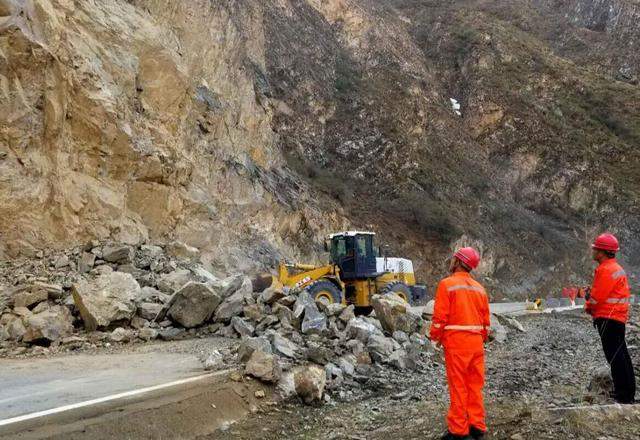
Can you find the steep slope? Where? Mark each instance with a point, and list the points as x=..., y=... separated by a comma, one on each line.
x=144, y=120
x=251, y=129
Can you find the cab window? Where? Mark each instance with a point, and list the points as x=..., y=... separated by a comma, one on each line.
x=338, y=248
x=361, y=245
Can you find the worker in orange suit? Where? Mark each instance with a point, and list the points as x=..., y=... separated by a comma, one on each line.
x=608, y=304
x=461, y=325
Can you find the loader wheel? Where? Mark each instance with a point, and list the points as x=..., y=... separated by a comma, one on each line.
x=400, y=289
x=325, y=291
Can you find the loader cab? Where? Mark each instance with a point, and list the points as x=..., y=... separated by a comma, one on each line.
x=354, y=253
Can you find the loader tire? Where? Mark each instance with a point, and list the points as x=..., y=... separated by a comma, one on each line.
x=400, y=289
x=325, y=290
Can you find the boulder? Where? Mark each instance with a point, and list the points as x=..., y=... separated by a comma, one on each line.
x=22, y=311
x=149, y=257
x=347, y=314
x=205, y=276
x=510, y=322
x=283, y=313
x=242, y=327
x=271, y=295
x=108, y=298
x=400, y=336
x=147, y=333
x=4, y=334
x=288, y=301
x=428, y=309
x=50, y=325
x=314, y=322
x=149, y=294
x=334, y=375
x=347, y=364
x=41, y=307
x=121, y=335
x=355, y=346
x=148, y=310
x=330, y=309
x=237, y=284
x=182, y=251
x=170, y=333
x=230, y=307
x=497, y=332
x=193, y=304
x=173, y=281
x=380, y=348
x=601, y=383
x=267, y=322
x=16, y=329
x=317, y=354
x=303, y=300
x=249, y=345
x=30, y=297
x=284, y=347
x=395, y=314
x=309, y=382
x=263, y=366
x=137, y=322
x=61, y=262
x=399, y=359
x=120, y=254
x=55, y=291
x=254, y=312
x=286, y=387
x=215, y=361
x=86, y=262
x=358, y=328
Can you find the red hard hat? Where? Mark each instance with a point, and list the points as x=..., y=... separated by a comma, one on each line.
x=468, y=256
x=606, y=242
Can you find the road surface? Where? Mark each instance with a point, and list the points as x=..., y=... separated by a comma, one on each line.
x=29, y=385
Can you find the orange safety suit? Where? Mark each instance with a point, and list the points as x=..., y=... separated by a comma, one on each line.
x=461, y=324
x=610, y=296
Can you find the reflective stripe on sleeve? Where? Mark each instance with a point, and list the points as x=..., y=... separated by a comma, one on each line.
x=618, y=274
x=465, y=287
x=618, y=300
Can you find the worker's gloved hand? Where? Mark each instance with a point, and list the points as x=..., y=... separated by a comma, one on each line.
x=436, y=345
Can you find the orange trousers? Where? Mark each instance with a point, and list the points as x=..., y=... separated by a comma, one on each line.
x=465, y=375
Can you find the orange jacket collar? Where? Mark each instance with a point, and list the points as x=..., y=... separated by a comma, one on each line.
x=608, y=261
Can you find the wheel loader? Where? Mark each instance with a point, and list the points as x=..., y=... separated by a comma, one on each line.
x=356, y=271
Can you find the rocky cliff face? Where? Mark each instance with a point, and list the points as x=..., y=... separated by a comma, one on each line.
x=251, y=129
x=142, y=120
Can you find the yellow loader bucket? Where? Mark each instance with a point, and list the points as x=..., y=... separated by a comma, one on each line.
x=264, y=281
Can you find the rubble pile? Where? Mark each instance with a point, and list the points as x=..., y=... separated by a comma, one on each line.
x=307, y=347
x=105, y=293
x=112, y=293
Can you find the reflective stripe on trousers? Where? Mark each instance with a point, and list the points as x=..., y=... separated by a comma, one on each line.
x=464, y=327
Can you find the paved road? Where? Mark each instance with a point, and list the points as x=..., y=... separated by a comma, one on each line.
x=28, y=386
x=33, y=385
x=513, y=308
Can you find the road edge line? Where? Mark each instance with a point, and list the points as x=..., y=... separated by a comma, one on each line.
x=86, y=403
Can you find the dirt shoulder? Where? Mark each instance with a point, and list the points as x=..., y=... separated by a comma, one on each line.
x=528, y=378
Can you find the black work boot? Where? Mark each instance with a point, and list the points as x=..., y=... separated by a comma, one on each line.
x=475, y=433
x=450, y=436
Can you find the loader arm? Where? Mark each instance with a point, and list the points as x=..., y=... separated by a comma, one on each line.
x=304, y=274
